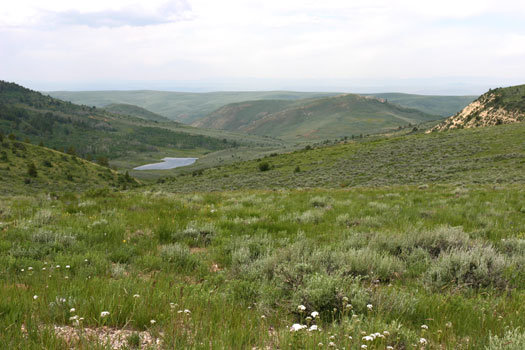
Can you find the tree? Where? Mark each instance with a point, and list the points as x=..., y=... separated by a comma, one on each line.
x=31, y=170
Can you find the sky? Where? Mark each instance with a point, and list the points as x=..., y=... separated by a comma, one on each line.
x=445, y=46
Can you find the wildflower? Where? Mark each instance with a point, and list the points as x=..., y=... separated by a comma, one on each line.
x=152, y=322
x=308, y=318
x=297, y=327
x=187, y=312
x=448, y=324
x=62, y=300
x=68, y=267
x=368, y=338
x=389, y=348
x=331, y=344
x=136, y=296
x=58, y=266
x=386, y=333
x=29, y=268
x=424, y=326
x=35, y=297
x=85, y=260
x=22, y=270
x=369, y=307
x=72, y=310
x=43, y=268
x=320, y=344
x=350, y=337
x=104, y=314
x=423, y=341
x=345, y=299
x=313, y=328
x=73, y=318
x=349, y=306
x=364, y=346
x=263, y=317
x=315, y=314
x=332, y=337
x=377, y=335
x=301, y=308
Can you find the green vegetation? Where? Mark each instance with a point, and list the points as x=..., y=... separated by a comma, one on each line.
x=135, y=111
x=314, y=119
x=26, y=168
x=444, y=106
x=440, y=264
x=485, y=155
x=184, y=107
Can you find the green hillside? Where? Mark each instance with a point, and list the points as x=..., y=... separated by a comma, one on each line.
x=185, y=107
x=486, y=155
x=135, y=111
x=26, y=168
x=92, y=133
x=314, y=119
x=444, y=106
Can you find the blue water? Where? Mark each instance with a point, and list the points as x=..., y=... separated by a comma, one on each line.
x=169, y=163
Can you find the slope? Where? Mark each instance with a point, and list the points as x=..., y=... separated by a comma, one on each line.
x=184, y=107
x=444, y=106
x=498, y=106
x=135, y=111
x=314, y=119
x=26, y=168
x=483, y=155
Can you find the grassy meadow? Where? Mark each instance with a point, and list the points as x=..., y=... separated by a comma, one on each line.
x=395, y=267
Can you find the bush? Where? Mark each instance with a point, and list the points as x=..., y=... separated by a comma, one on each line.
x=264, y=166
x=179, y=255
x=476, y=268
x=512, y=340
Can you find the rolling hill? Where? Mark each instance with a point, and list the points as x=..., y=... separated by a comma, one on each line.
x=26, y=169
x=470, y=156
x=185, y=107
x=498, y=106
x=314, y=119
x=444, y=106
x=135, y=111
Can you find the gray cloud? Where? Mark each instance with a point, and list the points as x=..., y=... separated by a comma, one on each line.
x=171, y=11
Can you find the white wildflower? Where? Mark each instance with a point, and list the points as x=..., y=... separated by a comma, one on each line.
x=22, y=270
x=136, y=296
x=364, y=346
x=313, y=328
x=368, y=338
x=389, y=348
x=423, y=341
x=386, y=333
x=187, y=312
x=297, y=327
x=68, y=267
x=152, y=322
x=331, y=344
x=424, y=326
x=315, y=314
x=301, y=308
x=369, y=307
x=30, y=268
x=72, y=310
x=35, y=297
x=104, y=314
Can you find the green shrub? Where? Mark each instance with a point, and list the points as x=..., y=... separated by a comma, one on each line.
x=178, y=255
x=264, y=166
x=512, y=340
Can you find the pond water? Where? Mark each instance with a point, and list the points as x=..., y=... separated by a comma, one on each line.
x=169, y=163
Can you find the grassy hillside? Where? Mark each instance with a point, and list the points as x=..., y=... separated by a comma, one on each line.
x=498, y=106
x=26, y=168
x=439, y=267
x=135, y=111
x=444, y=106
x=487, y=155
x=314, y=119
x=93, y=133
x=185, y=107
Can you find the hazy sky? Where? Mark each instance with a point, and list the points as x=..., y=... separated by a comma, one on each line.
x=247, y=44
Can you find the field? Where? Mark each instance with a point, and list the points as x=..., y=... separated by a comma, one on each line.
x=401, y=266
x=493, y=155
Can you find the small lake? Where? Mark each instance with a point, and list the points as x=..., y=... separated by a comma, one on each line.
x=169, y=163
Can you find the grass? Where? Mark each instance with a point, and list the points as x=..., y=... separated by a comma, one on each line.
x=492, y=155
x=314, y=119
x=51, y=171
x=242, y=262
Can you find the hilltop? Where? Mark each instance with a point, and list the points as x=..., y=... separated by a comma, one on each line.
x=26, y=168
x=185, y=107
x=314, y=119
x=498, y=106
x=135, y=111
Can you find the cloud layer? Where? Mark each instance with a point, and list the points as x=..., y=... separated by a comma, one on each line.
x=272, y=39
